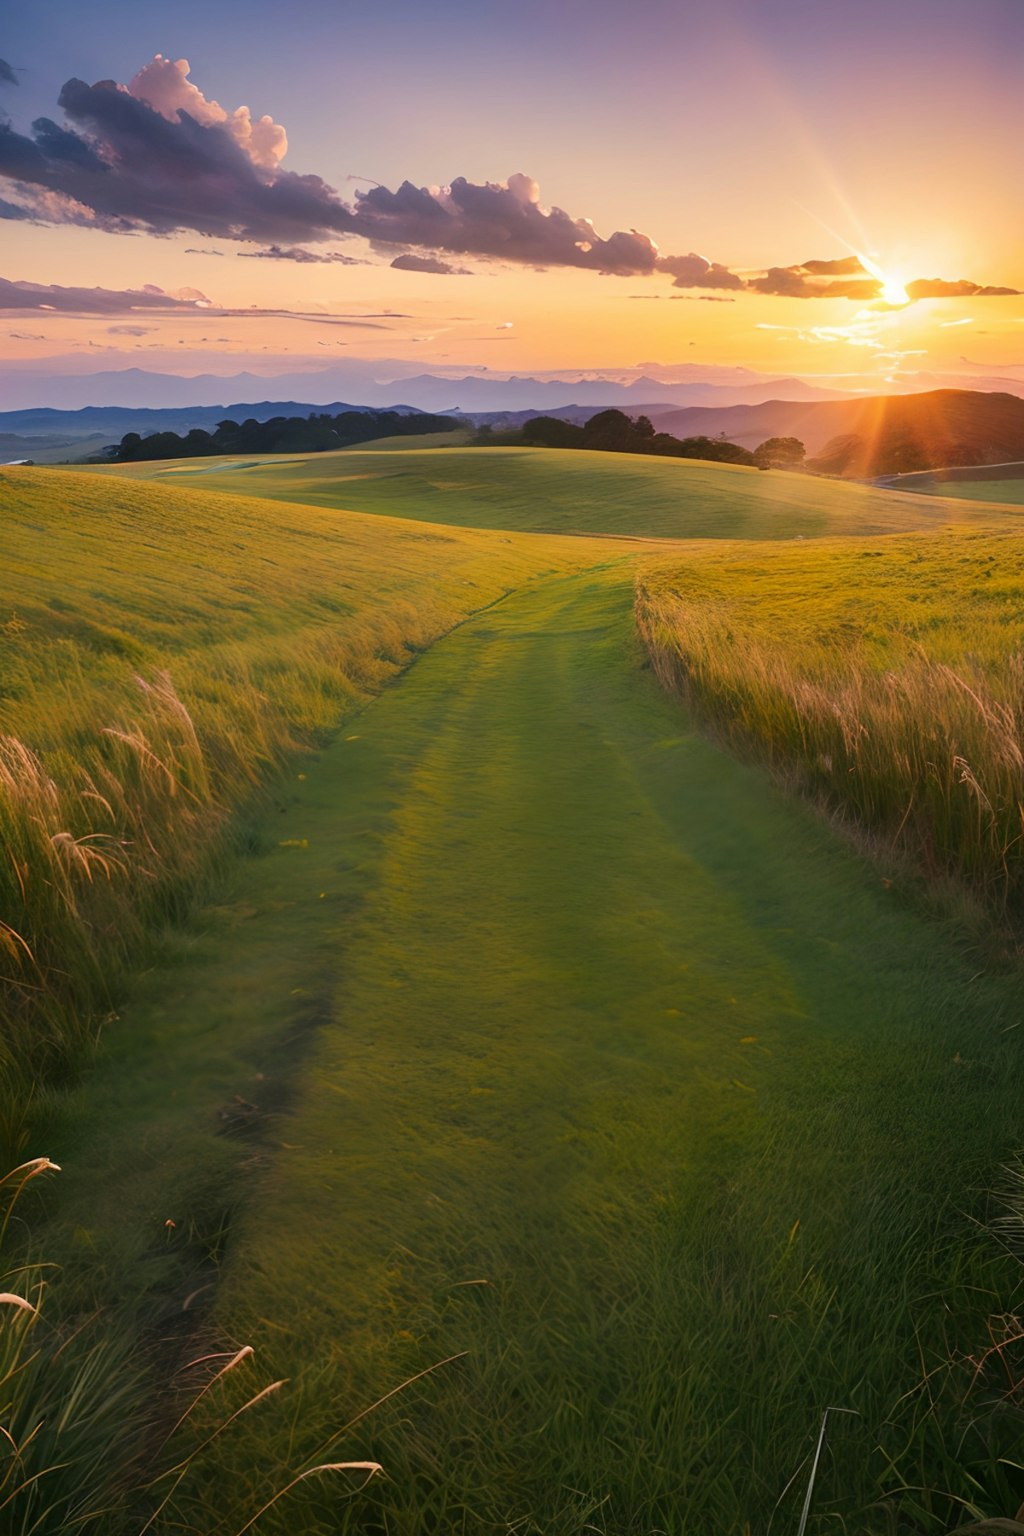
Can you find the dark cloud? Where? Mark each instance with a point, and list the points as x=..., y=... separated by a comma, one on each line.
x=693, y=271
x=411, y=263
x=41, y=298
x=505, y=221
x=132, y=330
x=26, y=336
x=123, y=165
x=821, y=280
x=801, y=282
x=298, y=253
x=701, y=298
x=7, y=75
x=205, y=250
x=845, y=266
x=938, y=288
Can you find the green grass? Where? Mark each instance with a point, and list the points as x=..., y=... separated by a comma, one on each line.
x=888, y=678
x=1010, y=491
x=534, y=987
x=548, y=490
x=162, y=653
x=522, y=982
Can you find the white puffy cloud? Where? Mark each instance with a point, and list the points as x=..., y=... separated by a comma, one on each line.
x=165, y=85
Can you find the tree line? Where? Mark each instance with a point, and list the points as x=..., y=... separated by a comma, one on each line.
x=281, y=434
x=613, y=431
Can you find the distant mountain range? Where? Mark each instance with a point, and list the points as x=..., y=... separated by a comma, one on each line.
x=118, y=419
x=879, y=435
x=427, y=391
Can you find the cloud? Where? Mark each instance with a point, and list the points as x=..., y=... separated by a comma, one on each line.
x=26, y=336
x=7, y=75
x=125, y=167
x=298, y=253
x=503, y=220
x=410, y=263
x=845, y=266
x=165, y=85
x=701, y=298
x=804, y=281
x=937, y=288
x=206, y=250
x=43, y=298
x=158, y=155
x=130, y=330
x=822, y=280
x=693, y=271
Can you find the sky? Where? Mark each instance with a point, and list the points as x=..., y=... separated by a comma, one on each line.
x=801, y=189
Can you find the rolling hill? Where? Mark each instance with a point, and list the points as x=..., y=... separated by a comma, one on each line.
x=880, y=435
x=550, y=490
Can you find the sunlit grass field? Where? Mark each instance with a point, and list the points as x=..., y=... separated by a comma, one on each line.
x=515, y=1021
x=544, y=490
x=887, y=677
x=1010, y=490
x=161, y=653
x=543, y=1035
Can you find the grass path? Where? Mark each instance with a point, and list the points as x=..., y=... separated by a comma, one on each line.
x=605, y=1065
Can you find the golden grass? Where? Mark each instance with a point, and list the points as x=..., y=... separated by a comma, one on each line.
x=889, y=680
x=162, y=652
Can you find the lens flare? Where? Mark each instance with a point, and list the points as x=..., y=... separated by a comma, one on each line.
x=893, y=292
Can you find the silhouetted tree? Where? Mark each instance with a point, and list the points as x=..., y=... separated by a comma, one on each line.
x=779, y=453
x=552, y=432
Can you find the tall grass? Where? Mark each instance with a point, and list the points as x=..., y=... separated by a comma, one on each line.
x=85, y=1444
x=170, y=654
x=917, y=738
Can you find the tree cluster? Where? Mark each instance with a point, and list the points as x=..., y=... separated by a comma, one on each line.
x=281, y=434
x=614, y=432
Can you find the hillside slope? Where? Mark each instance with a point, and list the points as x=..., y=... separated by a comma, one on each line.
x=549, y=490
x=894, y=433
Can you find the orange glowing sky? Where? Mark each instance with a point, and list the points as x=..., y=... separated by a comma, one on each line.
x=762, y=137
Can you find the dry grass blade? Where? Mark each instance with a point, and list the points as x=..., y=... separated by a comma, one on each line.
x=371, y=1468
x=8, y=1299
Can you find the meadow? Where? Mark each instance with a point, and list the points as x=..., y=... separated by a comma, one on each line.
x=1008, y=489
x=549, y=490
x=549, y=1096
x=887, y=681
x=162, y=653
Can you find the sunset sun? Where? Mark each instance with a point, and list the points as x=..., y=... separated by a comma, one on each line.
x=893, y=290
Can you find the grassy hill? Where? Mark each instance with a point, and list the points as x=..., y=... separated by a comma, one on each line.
x=554, y=491
x=163, y=650
x=1005, y=481
x=885, y=434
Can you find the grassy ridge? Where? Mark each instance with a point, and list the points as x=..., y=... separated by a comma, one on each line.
x=549, y=490
x=161, y=652
x=889, y=679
